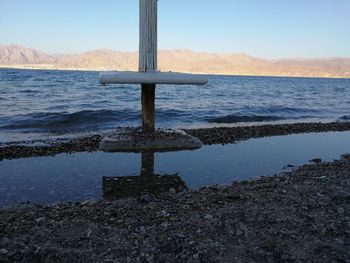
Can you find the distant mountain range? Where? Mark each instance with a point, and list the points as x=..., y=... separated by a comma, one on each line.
x=16, y=56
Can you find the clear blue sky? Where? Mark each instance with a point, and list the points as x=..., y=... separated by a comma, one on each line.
x=263, y=28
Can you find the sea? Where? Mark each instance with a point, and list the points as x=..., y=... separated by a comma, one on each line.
x=40, y=104
x=37, y=106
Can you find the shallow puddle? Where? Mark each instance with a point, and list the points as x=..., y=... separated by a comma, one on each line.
x=81, y=176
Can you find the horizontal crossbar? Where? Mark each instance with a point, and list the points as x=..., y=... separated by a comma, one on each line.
x=129, y=77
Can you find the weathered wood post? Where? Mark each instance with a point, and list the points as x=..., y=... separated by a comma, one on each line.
x=149, y=77
x=148, y=60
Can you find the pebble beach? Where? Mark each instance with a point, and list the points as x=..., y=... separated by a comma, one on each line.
x=297, y=216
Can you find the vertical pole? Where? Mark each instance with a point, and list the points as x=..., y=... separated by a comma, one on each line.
x=148, y=107
x=148, y=59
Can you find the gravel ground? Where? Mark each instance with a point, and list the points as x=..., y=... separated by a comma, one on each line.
x=208, y=136
x=224, y=135
x=84, y=144
x=299, y=216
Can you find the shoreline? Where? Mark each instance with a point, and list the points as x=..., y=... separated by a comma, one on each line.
x=302, y=215
x=208, y=136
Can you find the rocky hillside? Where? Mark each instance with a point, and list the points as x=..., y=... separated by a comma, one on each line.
x=17, y=55
x=177, y=60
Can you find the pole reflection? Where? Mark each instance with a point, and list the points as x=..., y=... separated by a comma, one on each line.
x=116, y=187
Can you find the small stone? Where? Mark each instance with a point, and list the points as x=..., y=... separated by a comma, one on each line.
x=340, y=210
x=345, y=156
x=26, y=239
x=180, y=235
x=164, y=213
x=85, y=208
x=208, y=217
x=142, y=230
x=12, y=253
x=40, y=219
x=88, y=203
x=37, y=250
x=4, y=251
x=26, y=251
x=5, y=241
x=288, y=166
x=339, y=240
x=242, y=230
x=146, y=198
x=316, y=160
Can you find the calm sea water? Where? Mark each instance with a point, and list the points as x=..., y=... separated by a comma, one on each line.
x=97, y=175
x=35, y=104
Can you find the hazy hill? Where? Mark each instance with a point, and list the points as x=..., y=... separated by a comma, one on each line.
x=177, y=60
x=100, y=59
x=15, y=54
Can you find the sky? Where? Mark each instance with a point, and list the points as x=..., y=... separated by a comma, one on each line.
x=262, y=28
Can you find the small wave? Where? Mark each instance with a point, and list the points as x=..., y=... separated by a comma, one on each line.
x=29, y=91
x=345, y=118
x=243, y=118
x=87, y=119
x=66, y=121
x=266, y=114
x=279, y=109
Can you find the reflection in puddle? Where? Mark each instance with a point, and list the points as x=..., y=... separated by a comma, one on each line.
x=147, y=182
x=92, y=175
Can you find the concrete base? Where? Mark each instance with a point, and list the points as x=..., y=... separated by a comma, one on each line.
x=135, y=140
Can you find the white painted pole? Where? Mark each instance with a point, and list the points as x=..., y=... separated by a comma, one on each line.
x=148, y=60
x=170, y=78
x=148, y=35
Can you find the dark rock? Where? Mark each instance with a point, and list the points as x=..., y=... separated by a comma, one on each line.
x=3, y=251
x=316, y=160
x=288, y=166
x=146, y=198
x=5, y=241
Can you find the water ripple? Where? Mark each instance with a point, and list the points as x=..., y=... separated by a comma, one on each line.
x=62, y=100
